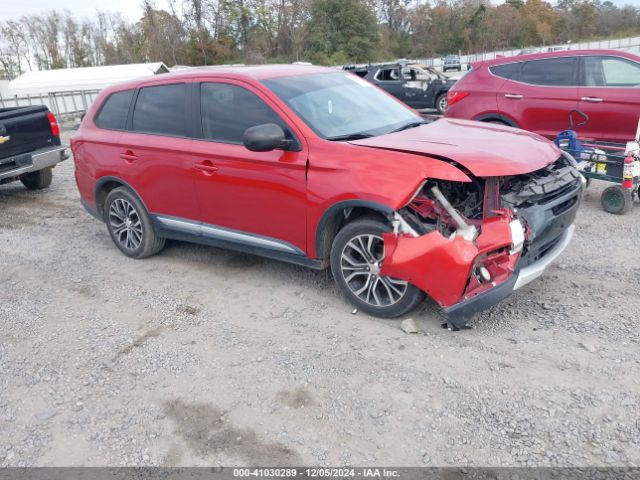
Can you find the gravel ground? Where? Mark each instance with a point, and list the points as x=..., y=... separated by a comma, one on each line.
x=200, y=356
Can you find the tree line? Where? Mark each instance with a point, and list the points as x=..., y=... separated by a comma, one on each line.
x=330, y=32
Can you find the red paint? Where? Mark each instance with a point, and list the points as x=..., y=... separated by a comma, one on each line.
x=545, y=109
x=284, y=195
x=427, y=260
x=485, y=149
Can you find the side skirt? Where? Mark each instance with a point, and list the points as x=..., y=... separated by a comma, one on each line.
x=213, y=236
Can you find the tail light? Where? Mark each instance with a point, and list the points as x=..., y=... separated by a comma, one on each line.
x=455, y=96
x=53, y=123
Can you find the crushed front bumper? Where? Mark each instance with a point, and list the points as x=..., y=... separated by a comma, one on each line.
x=32, y=162
x=460, y=313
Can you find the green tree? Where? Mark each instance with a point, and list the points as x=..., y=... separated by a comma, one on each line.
x=340, y=30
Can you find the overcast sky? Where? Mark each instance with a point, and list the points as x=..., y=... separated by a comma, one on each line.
x=129, y=8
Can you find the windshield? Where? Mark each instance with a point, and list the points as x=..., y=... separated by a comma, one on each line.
x=340, y=106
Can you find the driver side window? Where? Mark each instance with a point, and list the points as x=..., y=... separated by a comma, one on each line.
x=228, y=110
x=611, y=72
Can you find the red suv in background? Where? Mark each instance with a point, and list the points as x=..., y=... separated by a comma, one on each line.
x=320, y=168
x=536, y=92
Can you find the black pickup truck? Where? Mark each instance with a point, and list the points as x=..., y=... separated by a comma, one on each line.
x=416, y=85
x=29, y=146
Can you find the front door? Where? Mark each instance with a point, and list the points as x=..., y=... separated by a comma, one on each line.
x=610, y=96
x=255, y=198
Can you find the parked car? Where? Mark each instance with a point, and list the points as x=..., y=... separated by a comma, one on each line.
x=321, y=168
x=452, y=62
x=537, y=93
x=417, y=86
x=29, y=146
x=528, y=51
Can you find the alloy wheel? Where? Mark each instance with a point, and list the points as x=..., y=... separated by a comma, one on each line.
x=442, y=106
x=125, y=224
x=360, y=263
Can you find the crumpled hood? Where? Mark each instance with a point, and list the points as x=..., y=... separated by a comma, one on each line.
x=485, y=149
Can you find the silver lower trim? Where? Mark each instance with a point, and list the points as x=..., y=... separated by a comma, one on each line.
x=533, y=271
x=225, y=234
x=40, y=159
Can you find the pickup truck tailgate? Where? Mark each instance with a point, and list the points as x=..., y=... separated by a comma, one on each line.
x=25, y=129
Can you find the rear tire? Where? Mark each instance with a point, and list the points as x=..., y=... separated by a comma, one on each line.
x=129, y=225
x=356, y=274
x=37, y=180
x=617, y=200
x=441, y=103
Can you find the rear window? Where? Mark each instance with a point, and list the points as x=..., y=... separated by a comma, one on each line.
x=509, y=71
x=549, y=72
x=114, y=111
x=162, y=110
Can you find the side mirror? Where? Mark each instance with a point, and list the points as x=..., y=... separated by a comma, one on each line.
x=264, y=138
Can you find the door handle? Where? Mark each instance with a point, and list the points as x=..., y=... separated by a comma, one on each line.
x=514, y=96
x=128, y=156
x=592, y=99
x=206, y=167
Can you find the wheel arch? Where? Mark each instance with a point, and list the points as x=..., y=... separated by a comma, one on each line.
x=487, y=117
x=105, y=185
x=338, y=215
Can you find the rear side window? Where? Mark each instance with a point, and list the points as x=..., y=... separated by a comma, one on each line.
x=228, y=110
x=161, y=109
x=509, y=71
x=114, y=111
x=549, y=72
x=611, y=72
x=388, y=75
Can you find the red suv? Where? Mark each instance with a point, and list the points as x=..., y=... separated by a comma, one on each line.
x=537, y=92
x=320, y=168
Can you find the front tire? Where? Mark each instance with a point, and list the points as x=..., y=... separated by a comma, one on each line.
x=129, y=225
x=37, y=180
x=356, y=255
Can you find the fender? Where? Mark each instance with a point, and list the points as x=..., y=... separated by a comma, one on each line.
x=497, y=116
x=106, y=179
x=335, y=208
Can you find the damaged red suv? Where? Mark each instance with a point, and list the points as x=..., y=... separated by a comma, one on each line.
x=318, y=167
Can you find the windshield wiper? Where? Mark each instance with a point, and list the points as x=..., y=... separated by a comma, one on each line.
x=408, y=126
x=351, y=136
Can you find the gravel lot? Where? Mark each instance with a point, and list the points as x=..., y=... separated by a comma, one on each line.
x=200, y=356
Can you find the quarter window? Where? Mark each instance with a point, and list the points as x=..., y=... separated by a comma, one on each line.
x=509, y=71
x=549, y=72
x=114, y=111
x=161, y=109
x=228, y=110
x=611, y=72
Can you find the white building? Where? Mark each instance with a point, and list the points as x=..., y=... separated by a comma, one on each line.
x=71, y=90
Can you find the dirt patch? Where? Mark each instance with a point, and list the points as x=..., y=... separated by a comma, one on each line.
x=154, y=333
x=207, y=430
x=298, y=398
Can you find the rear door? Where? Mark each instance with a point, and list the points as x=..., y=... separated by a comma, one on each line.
x=390, y=79
x=610, y=96
x=154, y=152
x=542, y=94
